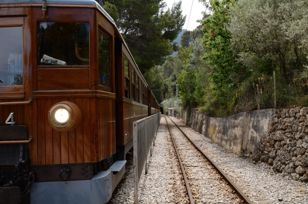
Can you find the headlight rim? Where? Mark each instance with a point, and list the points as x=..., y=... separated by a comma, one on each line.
x=74, y=116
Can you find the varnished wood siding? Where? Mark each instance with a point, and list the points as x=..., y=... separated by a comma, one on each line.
x=106, y=138
x=132, y=112
x=19, y=113
x=62, y=78
x=53, y=147
x=92, y=140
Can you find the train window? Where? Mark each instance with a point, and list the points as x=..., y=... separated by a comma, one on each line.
x=126, y=76
x=62, y=44
x=133, y=85
x=137, y=89
x=104, y=51
x=11, y=56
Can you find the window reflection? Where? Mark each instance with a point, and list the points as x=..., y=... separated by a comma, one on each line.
x=104, y=49
x=63, y=43
x=126, y=75
x=11, y=59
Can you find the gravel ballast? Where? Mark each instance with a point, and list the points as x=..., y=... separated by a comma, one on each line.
x=206, y=183
x=164, y=182
x=258, y=181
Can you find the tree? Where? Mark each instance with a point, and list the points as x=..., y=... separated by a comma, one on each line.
x=225, y=72
x=193, y=78
x=156, y=82
x=186, y=38
x=147, y=28
x=269, y=30
x=272, y=35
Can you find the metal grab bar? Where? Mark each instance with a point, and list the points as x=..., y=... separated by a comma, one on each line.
x=16, y=102
x=16, y=141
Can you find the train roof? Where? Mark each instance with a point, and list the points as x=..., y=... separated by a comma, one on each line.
x=61, y=2
x=92, y=3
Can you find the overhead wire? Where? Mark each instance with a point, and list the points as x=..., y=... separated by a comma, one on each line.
x=191, y=6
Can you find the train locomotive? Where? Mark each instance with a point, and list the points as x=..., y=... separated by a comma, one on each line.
x=70, y=91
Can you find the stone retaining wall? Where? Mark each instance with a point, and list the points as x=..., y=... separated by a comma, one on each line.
x=277, y=137
x=286, y=146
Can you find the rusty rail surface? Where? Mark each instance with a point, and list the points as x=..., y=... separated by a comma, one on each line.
x=231, y=183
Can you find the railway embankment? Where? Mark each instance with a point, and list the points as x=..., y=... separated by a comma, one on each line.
x=278, y=137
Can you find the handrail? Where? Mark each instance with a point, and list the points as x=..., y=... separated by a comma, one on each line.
x=16, y=141
x=16, y=102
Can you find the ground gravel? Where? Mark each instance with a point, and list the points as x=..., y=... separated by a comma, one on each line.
x=206, y=183
x=258, y=181
x=164, y=182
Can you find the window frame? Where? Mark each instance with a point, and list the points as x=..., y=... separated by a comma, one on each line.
x=111, y=63
x=15, y=91
x=42, y=66
x=125, y=59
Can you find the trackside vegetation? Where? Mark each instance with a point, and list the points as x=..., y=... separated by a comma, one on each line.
x=245, y=55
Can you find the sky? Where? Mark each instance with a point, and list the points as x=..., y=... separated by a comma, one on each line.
x=196, y=12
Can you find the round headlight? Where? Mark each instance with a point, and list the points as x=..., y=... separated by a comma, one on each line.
x=64, y=115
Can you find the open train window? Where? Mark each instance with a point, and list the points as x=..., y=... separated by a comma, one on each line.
x=126, y=78
x=104, y=56
x=63, y=44
x=11, y=56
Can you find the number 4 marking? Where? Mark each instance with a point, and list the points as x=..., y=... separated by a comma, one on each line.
x=10, y=120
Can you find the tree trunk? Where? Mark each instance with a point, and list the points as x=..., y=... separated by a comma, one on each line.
x=283, y=66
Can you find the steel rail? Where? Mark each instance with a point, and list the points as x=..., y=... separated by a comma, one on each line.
x=188, y=188
x=218, y=169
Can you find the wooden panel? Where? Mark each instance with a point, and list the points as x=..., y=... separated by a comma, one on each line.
x=90, y=136
x=41, y=148
x=106, y=138
x=56, y=147
x=79, y=144
x=18, y=110
x=132, y=112
x=49, y=139
x=33, y=132
x=59, y=78
x=13, y=11
x=64, y=147
x=50, y=146
x=72, y=147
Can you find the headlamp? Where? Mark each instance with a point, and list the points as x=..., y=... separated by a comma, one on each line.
x=64, y=115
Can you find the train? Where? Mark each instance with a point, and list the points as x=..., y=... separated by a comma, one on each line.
x=70, y=91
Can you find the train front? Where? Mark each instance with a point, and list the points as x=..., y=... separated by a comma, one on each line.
x=57, y=119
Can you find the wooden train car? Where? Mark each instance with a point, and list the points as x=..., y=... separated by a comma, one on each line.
x=69, y=93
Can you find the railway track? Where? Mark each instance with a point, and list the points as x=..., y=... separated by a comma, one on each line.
x=204, y=180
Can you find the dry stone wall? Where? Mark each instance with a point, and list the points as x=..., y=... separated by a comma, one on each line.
x=286, y=147
x=277, y=137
